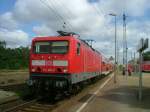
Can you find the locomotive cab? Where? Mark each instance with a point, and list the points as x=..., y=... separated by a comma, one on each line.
x=49, y=62
x=50, y=56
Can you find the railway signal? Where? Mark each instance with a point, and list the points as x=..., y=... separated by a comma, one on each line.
x=143, y=44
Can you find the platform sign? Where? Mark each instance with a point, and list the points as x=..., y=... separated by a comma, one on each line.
x=140, y=45
x=143, y=44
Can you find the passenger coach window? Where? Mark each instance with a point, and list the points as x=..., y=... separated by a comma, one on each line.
x=78, y=49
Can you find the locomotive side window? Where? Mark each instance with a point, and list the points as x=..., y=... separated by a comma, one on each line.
x=78, y=48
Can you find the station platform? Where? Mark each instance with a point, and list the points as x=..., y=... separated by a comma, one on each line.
x=121, y=96
x=6, y=96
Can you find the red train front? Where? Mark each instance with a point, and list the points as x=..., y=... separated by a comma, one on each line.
x=62, y=62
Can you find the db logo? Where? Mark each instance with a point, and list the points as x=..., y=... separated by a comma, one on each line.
x=49, y=63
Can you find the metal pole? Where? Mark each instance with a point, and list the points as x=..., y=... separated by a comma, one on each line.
x=115, y=46
x=115, y=50
x=140, y=76
x=125, y=47
x=142, y=46
x=124, y=39
x=126, y=62
x=135, y=64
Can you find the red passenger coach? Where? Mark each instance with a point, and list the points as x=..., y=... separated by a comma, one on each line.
x=62, y=62
x=107, y=66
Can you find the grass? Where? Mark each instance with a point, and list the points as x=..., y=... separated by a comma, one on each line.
x=9, y=70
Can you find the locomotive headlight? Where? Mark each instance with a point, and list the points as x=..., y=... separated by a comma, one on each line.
x=60, y=63
x=65, y=70
x=33, y=69
x=49, y=57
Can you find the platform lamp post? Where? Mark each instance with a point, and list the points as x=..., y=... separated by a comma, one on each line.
x=114, y=15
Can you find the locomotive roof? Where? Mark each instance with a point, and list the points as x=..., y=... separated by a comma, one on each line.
x=52, y=38
x=47, y=38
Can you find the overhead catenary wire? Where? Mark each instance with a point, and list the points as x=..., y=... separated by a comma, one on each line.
x=51, y=6
x=57, y=15
x=100, y=13
x=52, y=10
x=52, y=3
x=68, y=13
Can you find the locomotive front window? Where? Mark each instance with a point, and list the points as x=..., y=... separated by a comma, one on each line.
x=52, y=47
x=41, y=47
x=59, y=47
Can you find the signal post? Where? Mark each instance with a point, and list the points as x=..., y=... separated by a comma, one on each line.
x=141, y=47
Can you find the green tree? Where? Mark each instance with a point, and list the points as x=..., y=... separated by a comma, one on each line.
x=16, y=58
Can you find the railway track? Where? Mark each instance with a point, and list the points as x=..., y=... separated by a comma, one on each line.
x=32, y=106
x=36, y=105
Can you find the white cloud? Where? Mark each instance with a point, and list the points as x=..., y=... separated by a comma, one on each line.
x=31, y=10
x=105, y=47
x=131, y=7
x=14, y=38
x=90, y=20
x=8, y=21
x=43, y=30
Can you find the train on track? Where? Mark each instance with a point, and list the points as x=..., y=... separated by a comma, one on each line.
x=62, y=63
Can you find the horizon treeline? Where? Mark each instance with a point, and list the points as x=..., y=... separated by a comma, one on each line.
x=18, y=58
x=13, y=58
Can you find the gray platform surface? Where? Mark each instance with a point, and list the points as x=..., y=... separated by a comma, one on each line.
x=122, y=96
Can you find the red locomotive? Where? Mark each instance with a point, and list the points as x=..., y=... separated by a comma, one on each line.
x=61, y=63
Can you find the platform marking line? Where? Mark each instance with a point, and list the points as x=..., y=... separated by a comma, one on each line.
x=95, y=93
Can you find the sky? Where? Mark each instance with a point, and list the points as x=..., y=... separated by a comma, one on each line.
x=22, y=20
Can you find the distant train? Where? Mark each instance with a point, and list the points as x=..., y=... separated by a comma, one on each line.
x=62, y=63
x=146, y=66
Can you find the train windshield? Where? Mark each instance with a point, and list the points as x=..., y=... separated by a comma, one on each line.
x=52, y=47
